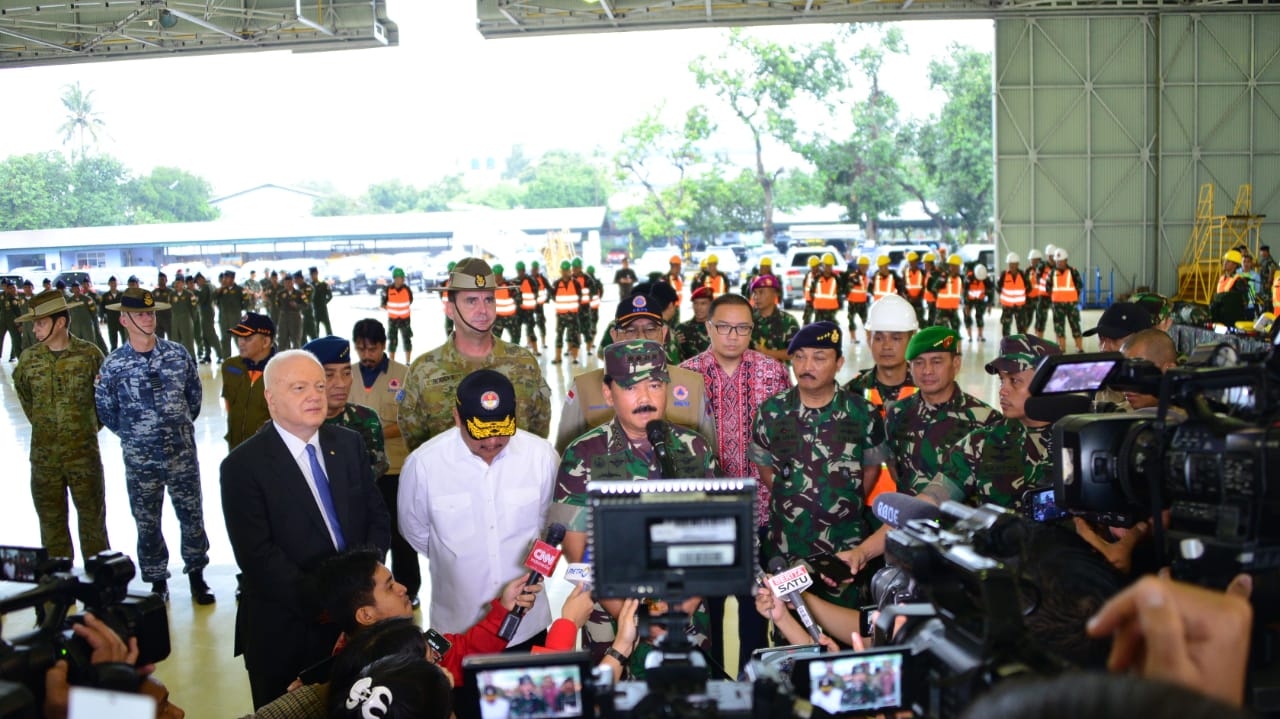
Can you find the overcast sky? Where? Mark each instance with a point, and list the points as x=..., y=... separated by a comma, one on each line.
x=413, y=112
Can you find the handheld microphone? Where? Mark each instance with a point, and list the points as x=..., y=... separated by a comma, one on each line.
x=789, y=585
x=656, y=431
x=541, y=561
x=896, y=509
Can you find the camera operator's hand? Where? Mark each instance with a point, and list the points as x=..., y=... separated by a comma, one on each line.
x=1180, y=633
x=578, y=605
x=1119, y=553
x=106, y=644
x=516, y=592
x=628, y=634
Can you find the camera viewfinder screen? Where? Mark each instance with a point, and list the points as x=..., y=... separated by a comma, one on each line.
x=1082, y=377
x=530, y=692
x=857, y=684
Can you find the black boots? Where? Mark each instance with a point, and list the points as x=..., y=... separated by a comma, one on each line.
x=200, y=591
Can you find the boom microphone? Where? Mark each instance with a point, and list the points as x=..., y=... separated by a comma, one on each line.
x=541, y=562
x=656, y=431
x=790, y=589
x=896, y=509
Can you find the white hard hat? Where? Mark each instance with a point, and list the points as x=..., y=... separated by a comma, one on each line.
x=892, y=313
x=1048, y=250
x=1034, y=254
x=980, y=272
x=1013, y=257
x=1059, y=254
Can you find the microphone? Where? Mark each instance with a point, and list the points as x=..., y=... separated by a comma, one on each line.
x=789, y=585
x=896, y=509
x=541, y=561
x=656, y=431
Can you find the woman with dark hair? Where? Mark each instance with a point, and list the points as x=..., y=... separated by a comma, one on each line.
x=401, y=686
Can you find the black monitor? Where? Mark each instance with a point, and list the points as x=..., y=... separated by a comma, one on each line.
x=672, y=539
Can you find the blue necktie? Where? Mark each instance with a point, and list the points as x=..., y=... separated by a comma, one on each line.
x=326, y=498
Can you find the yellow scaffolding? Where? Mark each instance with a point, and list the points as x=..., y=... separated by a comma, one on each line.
x=1211, y=237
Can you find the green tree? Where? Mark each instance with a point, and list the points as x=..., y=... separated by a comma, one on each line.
x=516, y=163
x=725, y=204
x=437, y=196
x=391, y=196
x=502, y=196
x=659, y=158
x=34, y=191
x=100, y=192
x=561, y=178
x=761, y=82
x=81, y=120
x=169, y=194
x=955, y=147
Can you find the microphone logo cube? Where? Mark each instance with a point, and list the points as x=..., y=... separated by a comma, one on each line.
x=542, y=558
x=796, y=579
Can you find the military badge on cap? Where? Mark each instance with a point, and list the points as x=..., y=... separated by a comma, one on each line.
x=486, y=404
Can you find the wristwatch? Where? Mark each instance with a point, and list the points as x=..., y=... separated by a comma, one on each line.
x=623, y=659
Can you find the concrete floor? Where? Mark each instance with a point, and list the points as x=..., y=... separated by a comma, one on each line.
x=201, y=673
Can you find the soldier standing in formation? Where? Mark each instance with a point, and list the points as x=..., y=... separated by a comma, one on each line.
x=977, y=296
x=691, y=336
x=162, y=294
x=806, y=286
x=289, y=302
x=1064, y=293
x=884, y=283
x=773, y=327
x=433, y=378
x=185, y=308
x=242, y=386
x=84, y=316
x=931, y=273
x=568, y=326
x=1037, y=293
x=321, y=296
x=309, y=331
x=950, y=290
x=396, y=300
x=232, y=300
x=1012, y=289
x=826, y=291
x=913, y=279
x=111, y=319
x=544, y=292
x=857, y=296
x=12, y=307
x=891, y=323
x=506, y=302
x=54, y=383
x=254, y=287
x=149, y=394
x=207, y=331
x=28, y=334
x=267, y=296
x=584, y=287
x=675, y=278
x=529, y=307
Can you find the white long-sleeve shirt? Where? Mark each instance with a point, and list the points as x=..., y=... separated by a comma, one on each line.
x=475, y=523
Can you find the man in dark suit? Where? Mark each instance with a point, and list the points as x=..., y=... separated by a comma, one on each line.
x=292, y=494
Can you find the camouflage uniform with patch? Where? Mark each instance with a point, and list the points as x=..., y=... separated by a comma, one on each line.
x=996, y=464
x=817, y=499
x=921, y=435
x=232, y=301
x=309, y=330
x=427, y=408
x=321, y=296
x=185, y=307
x=775, y=331
x=867, y=385
x=84, y=319
x=151, y=401
x=207, y=331
x=366, y=422
x=56, y=393
x=290, y=301
x=691, y=338
x=1066, y=313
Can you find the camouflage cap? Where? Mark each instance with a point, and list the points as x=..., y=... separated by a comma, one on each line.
x=628, y=363
x=933, y=339
x=1021, y=352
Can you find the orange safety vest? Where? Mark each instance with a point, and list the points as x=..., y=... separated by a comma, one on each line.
x=929, y=297
x=915, y=283
x=595, y=297
x=977, y=290
x=566, y=297
x=584, y=290
x=857, y=289
x=1013, y=290
x=883, y=286
x=505, y=305
x=872, y=395
x=717, y=285
x=824, y=294
x=949, y=293
x=1226, y=282
x=398, y=302
x=528, y=294
x=542, y=291
x=677, y=283
x=1064, y=290
x=1275, y=295
x=1041, y=286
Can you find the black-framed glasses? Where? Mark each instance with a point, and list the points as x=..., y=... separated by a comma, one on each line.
x=649, y=333
x=725, y=329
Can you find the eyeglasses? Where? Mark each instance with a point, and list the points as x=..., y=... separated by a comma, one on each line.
x=651, y=333
x=725, y=329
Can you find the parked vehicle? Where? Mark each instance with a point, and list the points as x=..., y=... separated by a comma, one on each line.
x=796, y=266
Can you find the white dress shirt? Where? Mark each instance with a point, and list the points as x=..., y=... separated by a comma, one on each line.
x=475, y=523
x=298, y=450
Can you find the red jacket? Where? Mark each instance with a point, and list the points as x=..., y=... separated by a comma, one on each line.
x=482, y=638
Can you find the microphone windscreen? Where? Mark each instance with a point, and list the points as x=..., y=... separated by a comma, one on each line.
x=777, y=564
x=896, y=509
x=555, y=534
x=655, y=430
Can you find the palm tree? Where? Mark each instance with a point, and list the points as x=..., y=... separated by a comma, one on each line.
x=81, y=118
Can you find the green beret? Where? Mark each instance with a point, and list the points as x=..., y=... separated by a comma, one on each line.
x=933, y=339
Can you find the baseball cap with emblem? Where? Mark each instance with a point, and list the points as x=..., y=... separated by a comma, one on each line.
x=933, y=339
x=254, y=324
x=637, y=306
x=820, y=335
x=765, y=282
x=136, y=299
x=1021, y=352
x=486, y=402
x=43, y=304
x=1121, y=320
x=330, y=350
x=635, y=361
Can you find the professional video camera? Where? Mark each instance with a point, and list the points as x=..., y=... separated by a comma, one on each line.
x=34, y=581
x=1205, y=455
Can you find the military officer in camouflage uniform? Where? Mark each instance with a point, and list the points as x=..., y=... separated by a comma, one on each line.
x=84, y=316
x=321, y=296
x=207, y=328
x=434, y=376
x=997, y=463
x=635, y=382
x=309, y=331
x=774, y=328
x=811, y=443
x=149, y=394
x=334, y=354
x=93, y=303
x=925, y=427
x=243, y=395
x=163, y=294
x=54, y=383
x=565, y=292
x=183, y=322
x=1065, y=288
x=290, y=299
x=891, y=323
x=596, y=290
x=270, y=287
x=255, y=287
x=110, y=319
x=544, y=287
x=28, y=336
x=232, y=300
x=11, y=308
x=691, y=335
x=638, y=317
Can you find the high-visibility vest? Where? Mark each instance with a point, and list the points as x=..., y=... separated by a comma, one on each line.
x=857, y=289
x=949, y=293
x=883, y=285
x=677, y=284
x=1275, y=295
x=824, y=294
x=1064, y=287
x=717, y=284
x=1226, y=282
x=584, y=290
x=1041, y=287
x=542, y=291
x=444, y=296
x=929, y=297
x=566, y=297
x=873, y=396
x=809, y=279
x=398, y=299
x=1013, y=290
x=528, y=294
x=595, y=296
x=977, y=290
x=915, y=283
x=503, y=302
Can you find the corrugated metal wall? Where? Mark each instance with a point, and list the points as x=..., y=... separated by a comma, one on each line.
x=1106, y=126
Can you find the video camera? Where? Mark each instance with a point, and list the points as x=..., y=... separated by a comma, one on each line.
x=32, y=580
